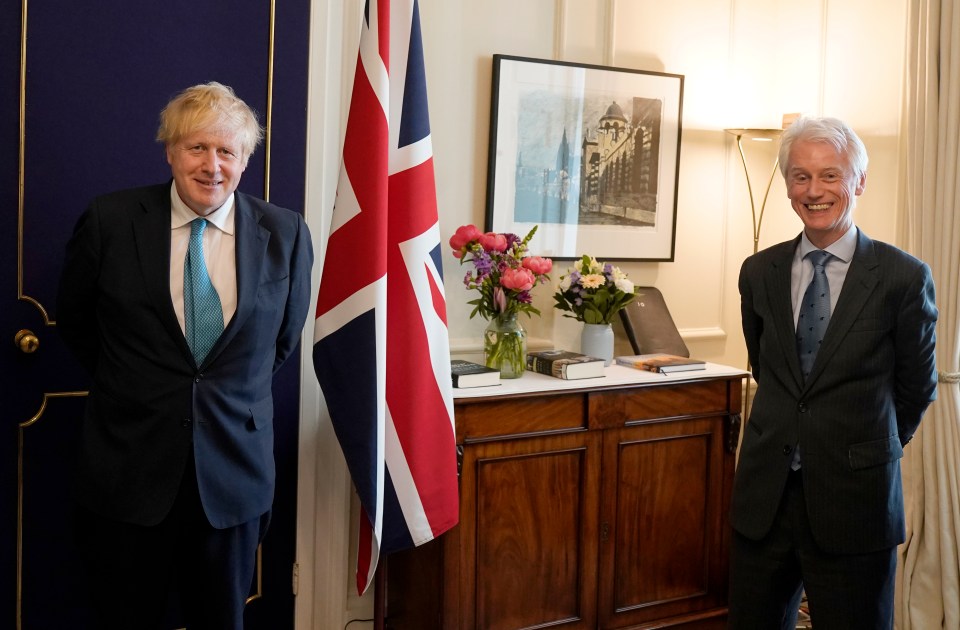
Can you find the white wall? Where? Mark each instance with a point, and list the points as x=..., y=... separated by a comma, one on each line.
x=745, y=62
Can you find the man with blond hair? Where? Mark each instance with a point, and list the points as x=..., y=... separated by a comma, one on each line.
x=182, y=300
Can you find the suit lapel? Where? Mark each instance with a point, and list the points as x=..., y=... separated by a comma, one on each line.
x=251, y=246
x=781, y=304
x=151, y=232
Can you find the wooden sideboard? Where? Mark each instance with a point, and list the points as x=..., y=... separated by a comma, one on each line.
x=598, y=503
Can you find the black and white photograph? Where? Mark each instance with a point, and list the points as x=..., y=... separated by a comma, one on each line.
x=589, y=154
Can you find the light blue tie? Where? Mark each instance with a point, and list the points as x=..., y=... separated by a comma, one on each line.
x=203, y=314
x=813, y=320
x=814, y=312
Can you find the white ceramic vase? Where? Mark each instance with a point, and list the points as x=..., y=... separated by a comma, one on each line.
x=596, y=340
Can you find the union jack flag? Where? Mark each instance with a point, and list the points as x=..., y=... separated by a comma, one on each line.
x=381, y=351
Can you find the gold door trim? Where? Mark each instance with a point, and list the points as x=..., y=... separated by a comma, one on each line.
x=20, y=171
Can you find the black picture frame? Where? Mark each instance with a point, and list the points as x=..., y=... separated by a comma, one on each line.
x=589, y=154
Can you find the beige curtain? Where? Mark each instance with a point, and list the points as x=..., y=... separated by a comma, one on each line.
x=928, y=579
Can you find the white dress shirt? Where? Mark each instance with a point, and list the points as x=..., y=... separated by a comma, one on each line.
x=801, y=273
x=219, y=251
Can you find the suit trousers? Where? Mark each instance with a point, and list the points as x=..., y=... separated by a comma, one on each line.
x=768, y=576
x=181, y=572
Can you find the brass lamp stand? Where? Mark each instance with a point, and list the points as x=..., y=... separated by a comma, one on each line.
x=759, y=135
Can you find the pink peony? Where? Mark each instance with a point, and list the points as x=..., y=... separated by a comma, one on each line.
x=493, y=242
x=517, y=279
x=538, y=265
x=464, y=235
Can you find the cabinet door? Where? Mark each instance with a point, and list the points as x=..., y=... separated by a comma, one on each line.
x=528, y=532
x=664, y=540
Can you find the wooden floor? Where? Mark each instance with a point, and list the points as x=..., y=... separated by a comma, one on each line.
x=803, y=619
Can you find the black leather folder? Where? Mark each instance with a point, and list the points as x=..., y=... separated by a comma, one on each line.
x=650, y=327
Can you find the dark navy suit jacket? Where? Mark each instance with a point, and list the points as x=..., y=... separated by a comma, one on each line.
x=149, y=403
x=874, y=376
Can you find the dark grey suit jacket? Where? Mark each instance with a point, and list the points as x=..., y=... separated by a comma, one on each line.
x=874, y=376
x=150, y=403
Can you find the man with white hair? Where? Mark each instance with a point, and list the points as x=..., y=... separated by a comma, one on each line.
x=839, y=331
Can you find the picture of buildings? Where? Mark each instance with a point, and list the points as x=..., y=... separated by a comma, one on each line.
x=588, y=161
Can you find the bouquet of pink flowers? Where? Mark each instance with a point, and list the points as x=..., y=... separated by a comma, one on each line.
x=502, y=272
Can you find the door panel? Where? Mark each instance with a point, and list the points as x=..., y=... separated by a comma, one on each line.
x=531, y=556
x=665, y=519
x=78, y=114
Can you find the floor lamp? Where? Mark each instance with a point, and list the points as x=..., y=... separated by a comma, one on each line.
x=759, y=135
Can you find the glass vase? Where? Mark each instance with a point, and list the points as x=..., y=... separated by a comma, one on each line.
x=505, y=346
x=596, y=340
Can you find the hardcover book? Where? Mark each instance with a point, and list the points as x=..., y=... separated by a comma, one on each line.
x=467, y=374
x=564, y=364
x=662, y=363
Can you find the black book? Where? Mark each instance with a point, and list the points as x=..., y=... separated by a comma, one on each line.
x=466, y=374
x=564, y=364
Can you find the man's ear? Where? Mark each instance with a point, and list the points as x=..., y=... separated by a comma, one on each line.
x=861, y=185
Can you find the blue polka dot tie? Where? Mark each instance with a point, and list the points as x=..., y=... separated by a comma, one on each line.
x=814, y=312
x=203, y=314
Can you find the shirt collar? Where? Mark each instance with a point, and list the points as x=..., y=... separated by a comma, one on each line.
x=181, y=214
x=842, y=248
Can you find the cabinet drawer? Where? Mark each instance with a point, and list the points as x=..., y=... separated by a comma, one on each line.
x=520, y=416
x=611, y=409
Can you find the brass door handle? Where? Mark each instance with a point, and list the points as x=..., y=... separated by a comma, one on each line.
x=26, y=341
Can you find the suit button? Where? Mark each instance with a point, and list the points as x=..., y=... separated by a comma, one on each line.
x=802, y=407
x=787, y=449
x=185, y=423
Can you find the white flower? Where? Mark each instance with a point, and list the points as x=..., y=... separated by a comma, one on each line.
x=564, y=283
x=623, y=284
x=593, y=268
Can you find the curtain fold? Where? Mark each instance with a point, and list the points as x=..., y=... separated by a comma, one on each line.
x=928, y=580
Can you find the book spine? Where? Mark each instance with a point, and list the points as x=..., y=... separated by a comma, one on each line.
x=546, y=367
x=638, y=365
x=540, y=366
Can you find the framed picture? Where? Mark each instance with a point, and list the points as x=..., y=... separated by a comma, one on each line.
x=589, y=154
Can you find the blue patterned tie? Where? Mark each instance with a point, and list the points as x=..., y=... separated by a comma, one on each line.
x=812, y=322
x=814, y=312
x=203, y=314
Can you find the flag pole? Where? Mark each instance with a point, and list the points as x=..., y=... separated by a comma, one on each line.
x=380, y=595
